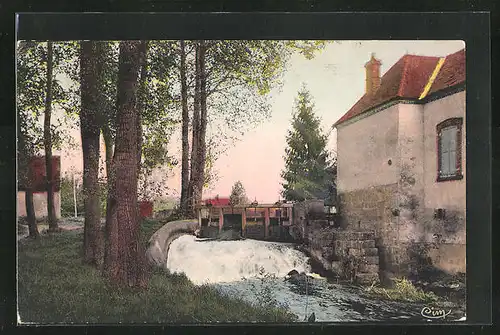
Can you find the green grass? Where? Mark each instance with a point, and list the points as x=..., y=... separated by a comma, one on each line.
x=55, y=287
x=403, y=290
x=164, y=204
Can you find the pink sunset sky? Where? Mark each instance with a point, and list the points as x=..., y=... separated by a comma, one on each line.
x=335, y=79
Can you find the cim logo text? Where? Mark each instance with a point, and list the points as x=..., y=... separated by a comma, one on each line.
x=434, y=313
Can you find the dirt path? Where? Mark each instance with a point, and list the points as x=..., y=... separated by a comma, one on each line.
x=66, y=224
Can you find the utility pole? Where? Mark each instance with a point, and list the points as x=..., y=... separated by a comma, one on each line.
x=74, y=195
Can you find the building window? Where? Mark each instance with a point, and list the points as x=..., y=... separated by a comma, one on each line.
x=449, y=148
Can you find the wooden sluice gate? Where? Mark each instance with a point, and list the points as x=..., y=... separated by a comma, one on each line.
x=255, y=221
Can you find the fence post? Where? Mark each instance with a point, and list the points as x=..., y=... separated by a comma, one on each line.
x=266, y=222
x=243, y=221
x=221, y=219
x=74, y=196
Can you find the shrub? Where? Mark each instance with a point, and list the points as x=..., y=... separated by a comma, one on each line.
x=67, y=197
x=403, y=290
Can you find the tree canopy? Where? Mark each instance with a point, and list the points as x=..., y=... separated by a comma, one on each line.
x=310, y=170
x=238, y=195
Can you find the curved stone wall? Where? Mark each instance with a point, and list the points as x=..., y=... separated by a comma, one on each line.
x=159, y=243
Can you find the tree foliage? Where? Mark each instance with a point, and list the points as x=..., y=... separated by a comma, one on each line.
x=159, y=114
x=240, y=76
x=237, y=78
x=238, y=195
x=310, y=170
x=31, y=90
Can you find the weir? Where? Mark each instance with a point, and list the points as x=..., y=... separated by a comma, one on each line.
x=256, y=221
x=210, y=262
x=159, y=243
x=344, y=254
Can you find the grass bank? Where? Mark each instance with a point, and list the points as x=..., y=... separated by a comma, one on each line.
x=403, y=290
x=55, y=287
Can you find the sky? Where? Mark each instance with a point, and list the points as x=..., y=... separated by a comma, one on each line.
x=335, y=79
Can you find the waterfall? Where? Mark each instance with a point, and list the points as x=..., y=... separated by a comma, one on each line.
x=209, y=262
x=223, y=264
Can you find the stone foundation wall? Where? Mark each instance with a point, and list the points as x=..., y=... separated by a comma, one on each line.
x=374, y=209
x=367, y=208
x=449, y=257
x=350, y=255
x=320, y=243
x=408, y=237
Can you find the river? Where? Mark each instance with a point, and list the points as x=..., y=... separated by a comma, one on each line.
x=250, y=269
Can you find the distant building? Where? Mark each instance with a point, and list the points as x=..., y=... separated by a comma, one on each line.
x=217, y=201
x=39, y=189
x=401, y=161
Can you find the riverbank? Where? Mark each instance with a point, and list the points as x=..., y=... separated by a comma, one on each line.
x=55, y=287
x=437, y=288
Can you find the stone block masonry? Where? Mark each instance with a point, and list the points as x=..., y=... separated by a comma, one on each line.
x=408, y=237
x=350, y=255
x=366, y=208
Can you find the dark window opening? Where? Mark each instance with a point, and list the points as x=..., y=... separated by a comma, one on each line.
x=440, y=214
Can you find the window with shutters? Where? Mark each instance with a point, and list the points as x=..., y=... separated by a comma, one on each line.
x=449, y=149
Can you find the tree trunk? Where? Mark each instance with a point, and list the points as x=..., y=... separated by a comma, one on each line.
x=193, y=183
x=124, y=256
x=185, y=133
x=30, y=214
x=202, y=150
x=108, y=146
x=25, y=174
x=142, y=100
x=90, y=133
x=51, y=212
x=110, y=231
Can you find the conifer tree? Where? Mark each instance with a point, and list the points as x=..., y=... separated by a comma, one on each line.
x=238, y=195
x=310, y=170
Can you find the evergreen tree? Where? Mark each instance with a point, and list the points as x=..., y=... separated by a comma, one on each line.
x=309, y=170
x=238, y=195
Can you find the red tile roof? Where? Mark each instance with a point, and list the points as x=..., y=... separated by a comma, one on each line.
x=452, y=72
x=407, y=78
x=217, y=202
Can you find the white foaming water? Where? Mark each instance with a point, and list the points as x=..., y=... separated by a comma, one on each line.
x=208, y=262
x=223, y=264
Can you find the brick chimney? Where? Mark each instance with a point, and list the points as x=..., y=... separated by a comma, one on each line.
x=372, y=75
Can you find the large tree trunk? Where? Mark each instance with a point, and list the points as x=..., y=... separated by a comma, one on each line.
x=185, y=132
x=51, y=212
x=193, y=182
x=141, y=101
x=90, y=133
x=202, y=150
x=124, y=256
x=110, y=231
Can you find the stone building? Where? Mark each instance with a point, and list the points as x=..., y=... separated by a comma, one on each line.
x=401, y=162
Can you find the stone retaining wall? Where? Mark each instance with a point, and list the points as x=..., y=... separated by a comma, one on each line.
x=159, y=243
x=407, y=236
x=348, y=255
